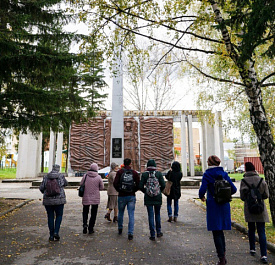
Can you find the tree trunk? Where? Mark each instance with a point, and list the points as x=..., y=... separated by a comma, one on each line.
x=257, y=111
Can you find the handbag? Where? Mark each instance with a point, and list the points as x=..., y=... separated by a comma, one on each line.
x=82, y=188
x=167, y=188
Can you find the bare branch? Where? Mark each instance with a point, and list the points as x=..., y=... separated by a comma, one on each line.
x=264, y=79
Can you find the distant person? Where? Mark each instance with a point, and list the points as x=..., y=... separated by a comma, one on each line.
x=218, y=215
x=258, y=218
x=151, y=184
x=174, y=175
x=91, y=197
x=126, y=183
x=54, y=199
x=112, y=194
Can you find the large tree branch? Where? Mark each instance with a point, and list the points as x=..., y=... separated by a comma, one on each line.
x=267, y=77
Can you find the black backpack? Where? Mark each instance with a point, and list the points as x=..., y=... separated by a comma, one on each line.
x=254, y=199
x=127, y=183
x=222, y=190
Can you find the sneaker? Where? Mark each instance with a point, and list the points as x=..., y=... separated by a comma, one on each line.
x=51, y=238
x=264, y=259
x=56, y=237
x=152, y=238
x=252, y=252
x=130, y=237
x=120, y=231
x=160, y=234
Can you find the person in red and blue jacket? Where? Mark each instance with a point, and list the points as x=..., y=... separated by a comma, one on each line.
x=218, y=216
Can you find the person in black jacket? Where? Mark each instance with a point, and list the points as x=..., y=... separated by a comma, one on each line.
x=175, y=176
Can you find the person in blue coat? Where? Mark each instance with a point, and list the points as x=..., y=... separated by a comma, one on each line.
x=218, y=216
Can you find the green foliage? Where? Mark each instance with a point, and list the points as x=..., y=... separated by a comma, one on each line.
x=39, y=77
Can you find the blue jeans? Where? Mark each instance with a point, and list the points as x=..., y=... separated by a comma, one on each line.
x=154, y=215
x=57, y=212
x=219, y=242
x=130, y=202
x=169, y=207
x=261, y=234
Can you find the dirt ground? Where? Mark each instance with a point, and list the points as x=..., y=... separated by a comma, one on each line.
x=6, y=204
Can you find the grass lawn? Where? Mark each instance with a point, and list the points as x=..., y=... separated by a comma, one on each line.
x=7, y=173
x=239, y=176
x=237, y=215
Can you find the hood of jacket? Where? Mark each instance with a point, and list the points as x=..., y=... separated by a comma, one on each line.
x=93, y=171
x=175, y=166
x=54, y=174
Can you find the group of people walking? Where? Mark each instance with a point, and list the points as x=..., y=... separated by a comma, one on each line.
x=124, y=182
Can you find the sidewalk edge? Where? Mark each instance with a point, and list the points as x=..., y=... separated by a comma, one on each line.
x=16, y=207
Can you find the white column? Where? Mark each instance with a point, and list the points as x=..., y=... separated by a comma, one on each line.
x=59, y=149
x=183, y=145
x=52, y=150
x=210, y=141
x=203, y=146
x=117, y=127
x=218, y=137
x=29, y=155
x=190, y=146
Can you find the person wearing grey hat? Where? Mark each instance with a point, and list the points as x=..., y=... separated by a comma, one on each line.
x=54, y=199
x=112, y=194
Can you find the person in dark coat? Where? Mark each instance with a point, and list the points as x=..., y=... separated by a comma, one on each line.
x=218, y=216
x=54, y=205
x=126, y=198
x=255, y=220
x=174, y=175
x=154, y=203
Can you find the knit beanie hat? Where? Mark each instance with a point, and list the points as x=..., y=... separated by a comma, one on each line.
x=249, y=166
x=213, y=161
x=151, y=163
x=113, y=165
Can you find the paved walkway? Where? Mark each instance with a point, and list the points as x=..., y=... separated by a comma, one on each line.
x=24, y=235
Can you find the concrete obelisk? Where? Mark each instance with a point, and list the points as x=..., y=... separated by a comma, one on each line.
x=117, y=127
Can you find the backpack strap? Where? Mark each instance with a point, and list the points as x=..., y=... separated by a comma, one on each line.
x=259, y=183
x=244, y=181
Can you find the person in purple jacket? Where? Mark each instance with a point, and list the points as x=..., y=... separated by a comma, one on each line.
x=218, y=216
x=91, y=197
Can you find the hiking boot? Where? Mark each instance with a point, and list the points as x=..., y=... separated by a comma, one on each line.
x=56, y=237
x=152, y=238
x=107, y=216
x=170, y=219
x=115, y=219
x=160, y=234
x=130, y=237
x=120, y=231
x=175, y=219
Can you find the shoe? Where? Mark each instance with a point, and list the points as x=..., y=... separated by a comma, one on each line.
x=115, y=219
x=120, y=231
x=264, y=259
x=222, y=261
x=91, y=231
x=51, y=238
x=56, y=237
x=85, y=230
x=160, y=234
x=175, y=219
x=107, y=216
x=152, y=238
x=252, y=252
x=170, y=219
x=130, y=237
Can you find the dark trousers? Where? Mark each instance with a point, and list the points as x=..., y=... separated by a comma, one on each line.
x=219, y=242
x=54, y=223
x=261, y=234
x=85, y=214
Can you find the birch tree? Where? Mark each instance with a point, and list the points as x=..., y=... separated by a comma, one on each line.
x=236, y=37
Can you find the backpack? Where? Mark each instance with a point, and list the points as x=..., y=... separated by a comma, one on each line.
x=152, y=185
x=126, y=183
x=254, y=199
x=52, y=187
x=222, y=190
